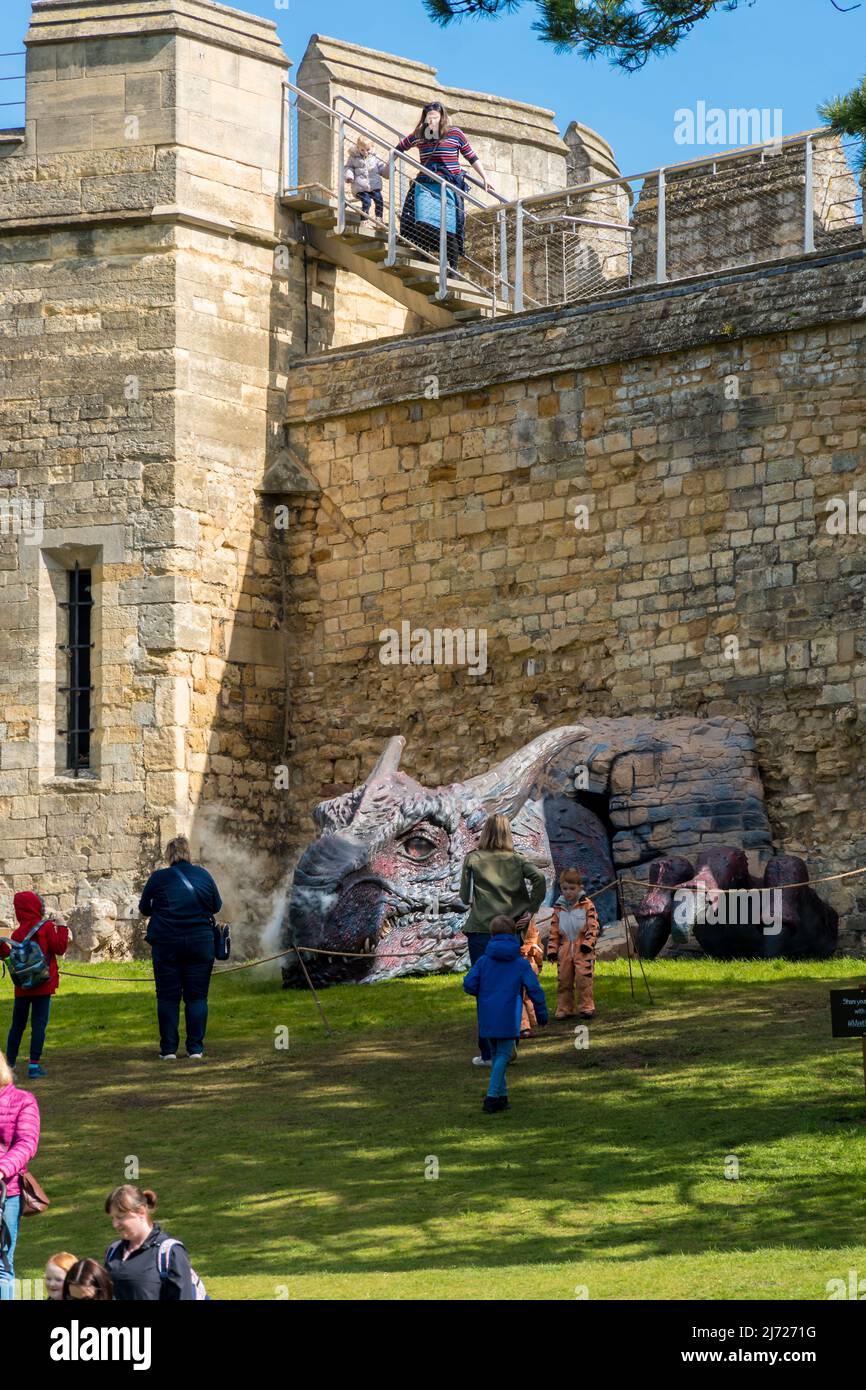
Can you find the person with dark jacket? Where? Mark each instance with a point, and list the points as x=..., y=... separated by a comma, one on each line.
x=493, y=882
x=181, y=901
x=52, y=938
x=498, y=981
x=139, y=1272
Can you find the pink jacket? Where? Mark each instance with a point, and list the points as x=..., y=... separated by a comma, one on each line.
x=19, y=1134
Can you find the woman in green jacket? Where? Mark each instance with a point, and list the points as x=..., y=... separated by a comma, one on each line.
x=494, y=883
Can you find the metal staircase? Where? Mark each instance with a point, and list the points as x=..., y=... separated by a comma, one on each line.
x=413, y=275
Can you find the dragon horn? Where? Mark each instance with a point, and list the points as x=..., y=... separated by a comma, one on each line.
x=389, y=759
x=504, y=788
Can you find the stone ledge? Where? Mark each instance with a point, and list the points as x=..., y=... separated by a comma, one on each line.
x=163, y=214
x=787, y=296
x=65, y=21
x=60, y=783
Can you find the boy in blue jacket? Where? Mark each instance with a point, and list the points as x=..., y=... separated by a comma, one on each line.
x=498, y=979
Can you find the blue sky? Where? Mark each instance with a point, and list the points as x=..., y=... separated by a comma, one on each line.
x=785, y=54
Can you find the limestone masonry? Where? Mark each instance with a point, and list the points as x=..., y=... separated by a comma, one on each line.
x=263, y=462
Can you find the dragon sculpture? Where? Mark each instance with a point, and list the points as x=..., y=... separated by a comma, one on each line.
x=657, y=798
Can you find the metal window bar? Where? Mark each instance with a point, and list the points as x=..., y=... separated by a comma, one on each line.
x=79, y=690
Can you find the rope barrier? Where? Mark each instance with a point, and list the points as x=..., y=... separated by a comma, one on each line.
x=229, y=970
x=616, y=883
x=806, y=883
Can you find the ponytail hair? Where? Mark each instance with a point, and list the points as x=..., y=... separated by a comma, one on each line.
x=128, y=1198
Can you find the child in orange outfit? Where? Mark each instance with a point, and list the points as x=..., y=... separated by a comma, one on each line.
x=571, y=943
x=533, y=951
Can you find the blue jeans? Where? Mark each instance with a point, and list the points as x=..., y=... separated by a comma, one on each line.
x=478, y=941
x=364, y=200
x=182, y=969
x=503, y=1051
x=38, y=1007
x=12, y=1215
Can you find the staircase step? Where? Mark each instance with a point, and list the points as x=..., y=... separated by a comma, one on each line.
x=315, y=195
x=373, y=251
x=422, y=280
x=361, y=240
x=320, y=217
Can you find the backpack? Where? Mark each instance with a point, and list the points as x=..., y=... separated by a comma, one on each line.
x=28, y=964
x=163, y=1262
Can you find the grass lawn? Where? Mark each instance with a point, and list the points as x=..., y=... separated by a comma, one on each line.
x=299, y=1172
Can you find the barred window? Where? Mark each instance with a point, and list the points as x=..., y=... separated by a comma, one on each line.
x=78, y=691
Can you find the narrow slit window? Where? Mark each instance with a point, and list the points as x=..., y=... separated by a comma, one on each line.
x=79, y=690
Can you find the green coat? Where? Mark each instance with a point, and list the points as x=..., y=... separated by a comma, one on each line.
x=498, y=877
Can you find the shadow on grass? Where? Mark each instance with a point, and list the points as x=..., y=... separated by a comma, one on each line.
x=279, y=1163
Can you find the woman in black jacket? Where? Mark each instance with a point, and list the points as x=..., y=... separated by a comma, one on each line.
x=181, y=901
x=146, y=1263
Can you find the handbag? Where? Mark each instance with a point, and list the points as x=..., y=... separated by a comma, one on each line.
x=222, y=934
x=222, y=940
x=34, y=1198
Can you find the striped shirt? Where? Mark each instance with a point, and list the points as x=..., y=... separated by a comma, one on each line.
x=446, y=151
x=19, y=1134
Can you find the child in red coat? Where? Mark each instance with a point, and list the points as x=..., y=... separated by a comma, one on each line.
x=35, y=1003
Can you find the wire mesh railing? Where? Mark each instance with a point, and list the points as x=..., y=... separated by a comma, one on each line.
x=749, y=206
x=12, y=90
x=838, y=204
x=745, y=207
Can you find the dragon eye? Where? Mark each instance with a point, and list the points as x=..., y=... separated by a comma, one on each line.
x=418, y=846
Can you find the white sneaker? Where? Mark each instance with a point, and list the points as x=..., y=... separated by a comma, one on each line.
x=168, y=1056
x=195, y=1056
x=481, y=1062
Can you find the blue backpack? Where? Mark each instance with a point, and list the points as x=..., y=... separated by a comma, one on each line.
x=28, y=964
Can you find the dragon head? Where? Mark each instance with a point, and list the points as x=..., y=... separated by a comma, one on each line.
x=383, y=878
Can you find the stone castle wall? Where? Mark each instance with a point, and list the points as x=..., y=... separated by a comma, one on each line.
x=154, y=308
x=151, y=297
x=704, y=429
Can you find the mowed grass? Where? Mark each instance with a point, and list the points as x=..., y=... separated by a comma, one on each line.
x=301, y=1172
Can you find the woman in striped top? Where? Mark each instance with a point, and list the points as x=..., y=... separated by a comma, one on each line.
x=19, y=1140
x=439, y=146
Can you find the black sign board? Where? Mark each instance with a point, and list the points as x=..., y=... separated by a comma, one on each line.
x=848, y=1012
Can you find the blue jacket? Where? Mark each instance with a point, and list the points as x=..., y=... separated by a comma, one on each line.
x=173, y=909
x=497, y=980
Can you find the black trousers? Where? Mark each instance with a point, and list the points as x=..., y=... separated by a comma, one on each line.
x=182, y=967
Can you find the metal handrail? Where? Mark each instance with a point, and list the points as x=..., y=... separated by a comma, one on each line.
x=669, y=169
x=510, y=265
x=393, y=154
x=395, y=130
x=371, y=134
